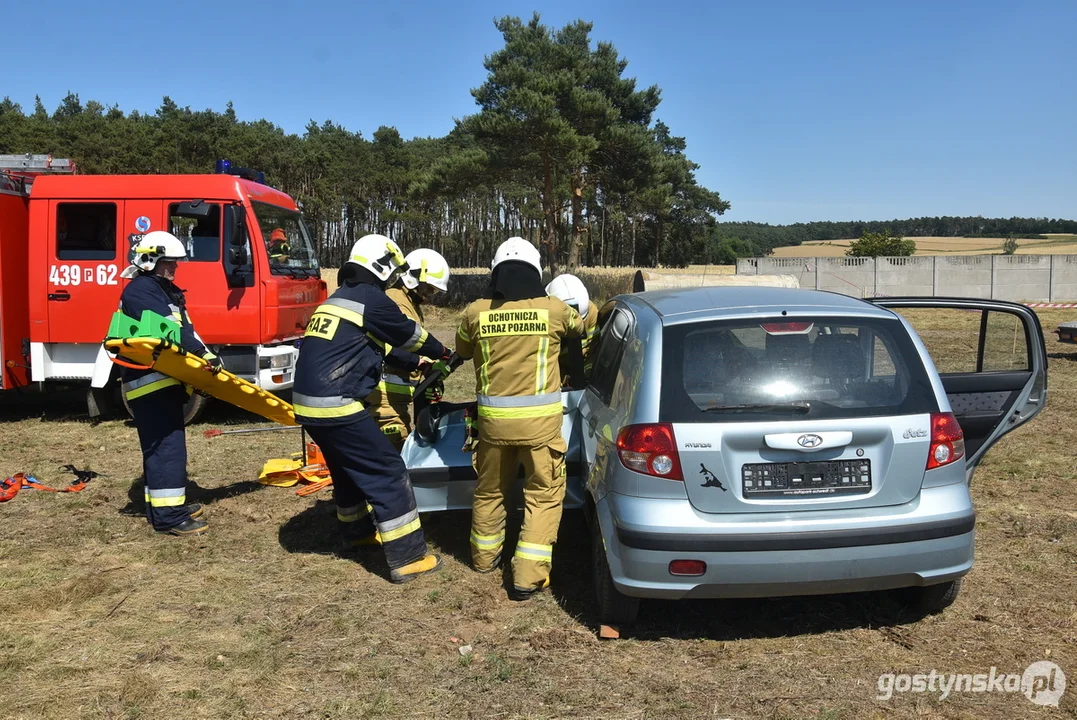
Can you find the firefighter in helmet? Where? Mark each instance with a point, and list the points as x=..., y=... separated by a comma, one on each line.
x=279, y=249
x=576, y=356
x=340, y=363
x=390, y=403
x=157, y=400
x=515, y=336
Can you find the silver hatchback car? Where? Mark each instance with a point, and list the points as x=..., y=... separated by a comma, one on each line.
x=754, y=442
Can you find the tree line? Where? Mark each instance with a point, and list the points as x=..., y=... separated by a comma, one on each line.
x=563, y=150
x=761, y=238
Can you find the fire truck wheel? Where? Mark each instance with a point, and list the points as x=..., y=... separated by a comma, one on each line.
x=194, y=407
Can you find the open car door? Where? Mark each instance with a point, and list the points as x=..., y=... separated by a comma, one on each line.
x=992, y=360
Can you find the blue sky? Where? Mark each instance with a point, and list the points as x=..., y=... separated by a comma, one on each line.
x=795, y=111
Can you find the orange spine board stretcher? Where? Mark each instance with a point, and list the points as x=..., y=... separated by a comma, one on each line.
x=174, y=361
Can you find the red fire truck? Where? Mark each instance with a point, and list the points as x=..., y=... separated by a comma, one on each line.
x=252, y=276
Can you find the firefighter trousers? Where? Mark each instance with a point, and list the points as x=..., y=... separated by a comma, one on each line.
x=368, y=473
x=159, y=421
x=393, y=417
x=544, y=495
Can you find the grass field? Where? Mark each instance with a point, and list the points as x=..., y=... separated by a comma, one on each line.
x=261, y=618
x=1054, y=244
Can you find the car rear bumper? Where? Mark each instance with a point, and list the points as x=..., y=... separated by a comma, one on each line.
x=927, y=541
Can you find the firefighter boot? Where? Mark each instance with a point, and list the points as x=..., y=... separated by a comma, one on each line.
x=188, y=527
x=356, y=528
x=522, y=594
x=196, y=510
x=353, y=539
x=407, y=573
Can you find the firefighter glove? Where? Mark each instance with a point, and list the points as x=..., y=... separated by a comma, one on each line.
x=471, y=430
x=215, y=363
x=435, y=392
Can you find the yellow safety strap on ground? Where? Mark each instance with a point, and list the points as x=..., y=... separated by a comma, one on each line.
x=534, y=551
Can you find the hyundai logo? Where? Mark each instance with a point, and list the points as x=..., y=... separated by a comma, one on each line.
x=809, y=441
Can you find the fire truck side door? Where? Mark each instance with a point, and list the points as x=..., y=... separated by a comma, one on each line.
x=221, y=315
x=87, y=251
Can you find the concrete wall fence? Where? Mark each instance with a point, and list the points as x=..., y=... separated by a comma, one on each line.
x=1024, y=278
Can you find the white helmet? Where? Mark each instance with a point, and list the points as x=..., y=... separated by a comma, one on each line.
x=426, y=266
x=570, y=290
x=516, y=248
x=154, y=246
x=379, y=255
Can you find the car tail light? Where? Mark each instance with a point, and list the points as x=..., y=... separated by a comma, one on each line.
x=687, y=567
x=650, y=449
x=787, y=328
x=947, y=441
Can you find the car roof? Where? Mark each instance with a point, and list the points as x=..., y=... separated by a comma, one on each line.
x=705, y=303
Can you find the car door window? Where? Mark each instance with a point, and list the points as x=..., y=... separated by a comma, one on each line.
x=991, y=359
x=1005, y=346
x=607, y=356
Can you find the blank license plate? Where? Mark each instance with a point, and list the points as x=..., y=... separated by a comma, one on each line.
x=806, y=479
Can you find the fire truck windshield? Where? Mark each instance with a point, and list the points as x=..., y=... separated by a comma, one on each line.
x=287, y=241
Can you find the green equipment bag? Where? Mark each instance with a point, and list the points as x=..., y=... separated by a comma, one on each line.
x=151, y=325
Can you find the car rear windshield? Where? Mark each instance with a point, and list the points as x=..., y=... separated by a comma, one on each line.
x=808, y=368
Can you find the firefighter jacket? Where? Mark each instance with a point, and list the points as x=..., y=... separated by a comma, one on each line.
x=575, y=358
x=400, y=375
x=156, y=294
x=341, y=353
x=517, y=376
x=590, y=328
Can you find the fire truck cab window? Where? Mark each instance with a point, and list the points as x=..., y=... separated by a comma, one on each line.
x=86, y=231
x=201, y=236
x=287, y=240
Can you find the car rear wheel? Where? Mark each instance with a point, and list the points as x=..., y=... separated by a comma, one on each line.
x=196, y=403
x=933, y=599
x=613, y=607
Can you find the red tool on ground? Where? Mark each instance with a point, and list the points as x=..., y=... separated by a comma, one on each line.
x=216, y=432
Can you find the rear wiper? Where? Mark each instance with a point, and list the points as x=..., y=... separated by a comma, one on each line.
x=797, y=406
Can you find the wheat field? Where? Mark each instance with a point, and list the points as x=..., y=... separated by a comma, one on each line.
x=1054, y=244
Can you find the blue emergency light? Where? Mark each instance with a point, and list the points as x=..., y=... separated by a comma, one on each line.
x=224, y=167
